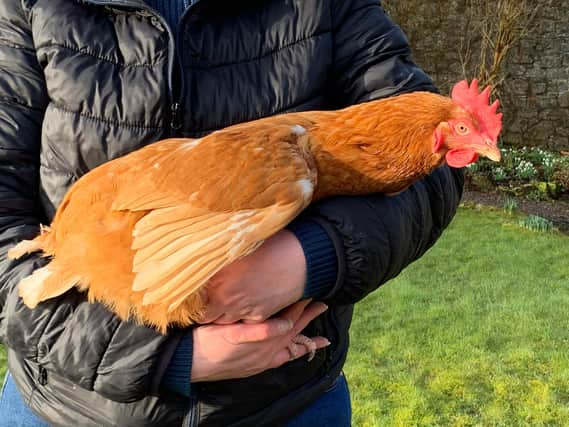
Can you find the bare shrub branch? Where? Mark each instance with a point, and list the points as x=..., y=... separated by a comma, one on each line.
x=494, y=28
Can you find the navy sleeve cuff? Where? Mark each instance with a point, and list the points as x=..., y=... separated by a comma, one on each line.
x=177, y=375
x=320, y=254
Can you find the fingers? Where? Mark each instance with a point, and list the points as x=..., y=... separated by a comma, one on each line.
x=249, y=321
x=295, y=318
x=226, y=319
x=311, y=312
x=246, y=315
x=240, y=333
x=296, y=351
x=294, y=311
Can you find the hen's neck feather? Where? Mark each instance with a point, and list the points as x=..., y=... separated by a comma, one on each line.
x=380, y=146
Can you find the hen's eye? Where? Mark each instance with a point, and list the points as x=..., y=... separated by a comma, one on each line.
x=462, y=129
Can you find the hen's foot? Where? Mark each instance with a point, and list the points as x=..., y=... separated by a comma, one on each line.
x=304, y=341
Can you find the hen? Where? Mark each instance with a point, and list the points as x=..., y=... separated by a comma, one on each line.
x=144, y=233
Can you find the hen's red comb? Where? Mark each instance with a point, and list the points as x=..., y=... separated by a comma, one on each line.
x=476, y=104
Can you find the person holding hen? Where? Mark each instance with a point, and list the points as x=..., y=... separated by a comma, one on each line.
x=83, y=83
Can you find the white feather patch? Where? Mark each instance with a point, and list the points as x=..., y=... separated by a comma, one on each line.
x=190, y=144
x=298, y=130
x=306, y=188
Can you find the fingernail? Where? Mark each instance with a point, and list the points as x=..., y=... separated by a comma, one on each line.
x=324, y=308
x=326, y=342
x=285, y=325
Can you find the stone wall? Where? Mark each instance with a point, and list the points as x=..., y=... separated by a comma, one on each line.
x=535, y=95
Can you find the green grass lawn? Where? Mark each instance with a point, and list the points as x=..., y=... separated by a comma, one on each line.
x=476, y=333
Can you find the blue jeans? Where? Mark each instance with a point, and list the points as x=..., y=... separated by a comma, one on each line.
x=331, y=410
x=13, y=410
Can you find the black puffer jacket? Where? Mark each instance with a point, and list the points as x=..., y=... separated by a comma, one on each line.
x=82, y=82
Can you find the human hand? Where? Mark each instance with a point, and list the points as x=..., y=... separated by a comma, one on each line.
x=241, y=350
x=258, y=285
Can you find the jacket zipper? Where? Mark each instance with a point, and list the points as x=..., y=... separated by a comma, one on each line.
x=175, y=116
x=177, y=105
x=174, y=58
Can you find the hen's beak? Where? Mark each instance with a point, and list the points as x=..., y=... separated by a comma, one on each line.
x=490, y=150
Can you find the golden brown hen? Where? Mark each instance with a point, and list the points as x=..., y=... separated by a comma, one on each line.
x=145, y=232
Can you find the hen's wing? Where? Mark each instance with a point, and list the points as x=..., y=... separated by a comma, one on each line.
x=210, y=202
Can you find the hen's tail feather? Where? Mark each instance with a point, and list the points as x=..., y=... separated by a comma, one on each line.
x=23, y=248
x=43, y=242
x=44, y=284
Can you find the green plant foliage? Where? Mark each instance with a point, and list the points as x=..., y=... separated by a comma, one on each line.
x=536, y=155
x=473, y=167
x=525, y=170
x=549, y=165
x=548, y=189
x=510, y=205
x=533, y=173
x=499, y=173
x=536, y=223
x=509, y=158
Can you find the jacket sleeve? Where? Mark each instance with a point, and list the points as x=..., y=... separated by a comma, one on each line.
x=59, y=334
x=377, y=236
